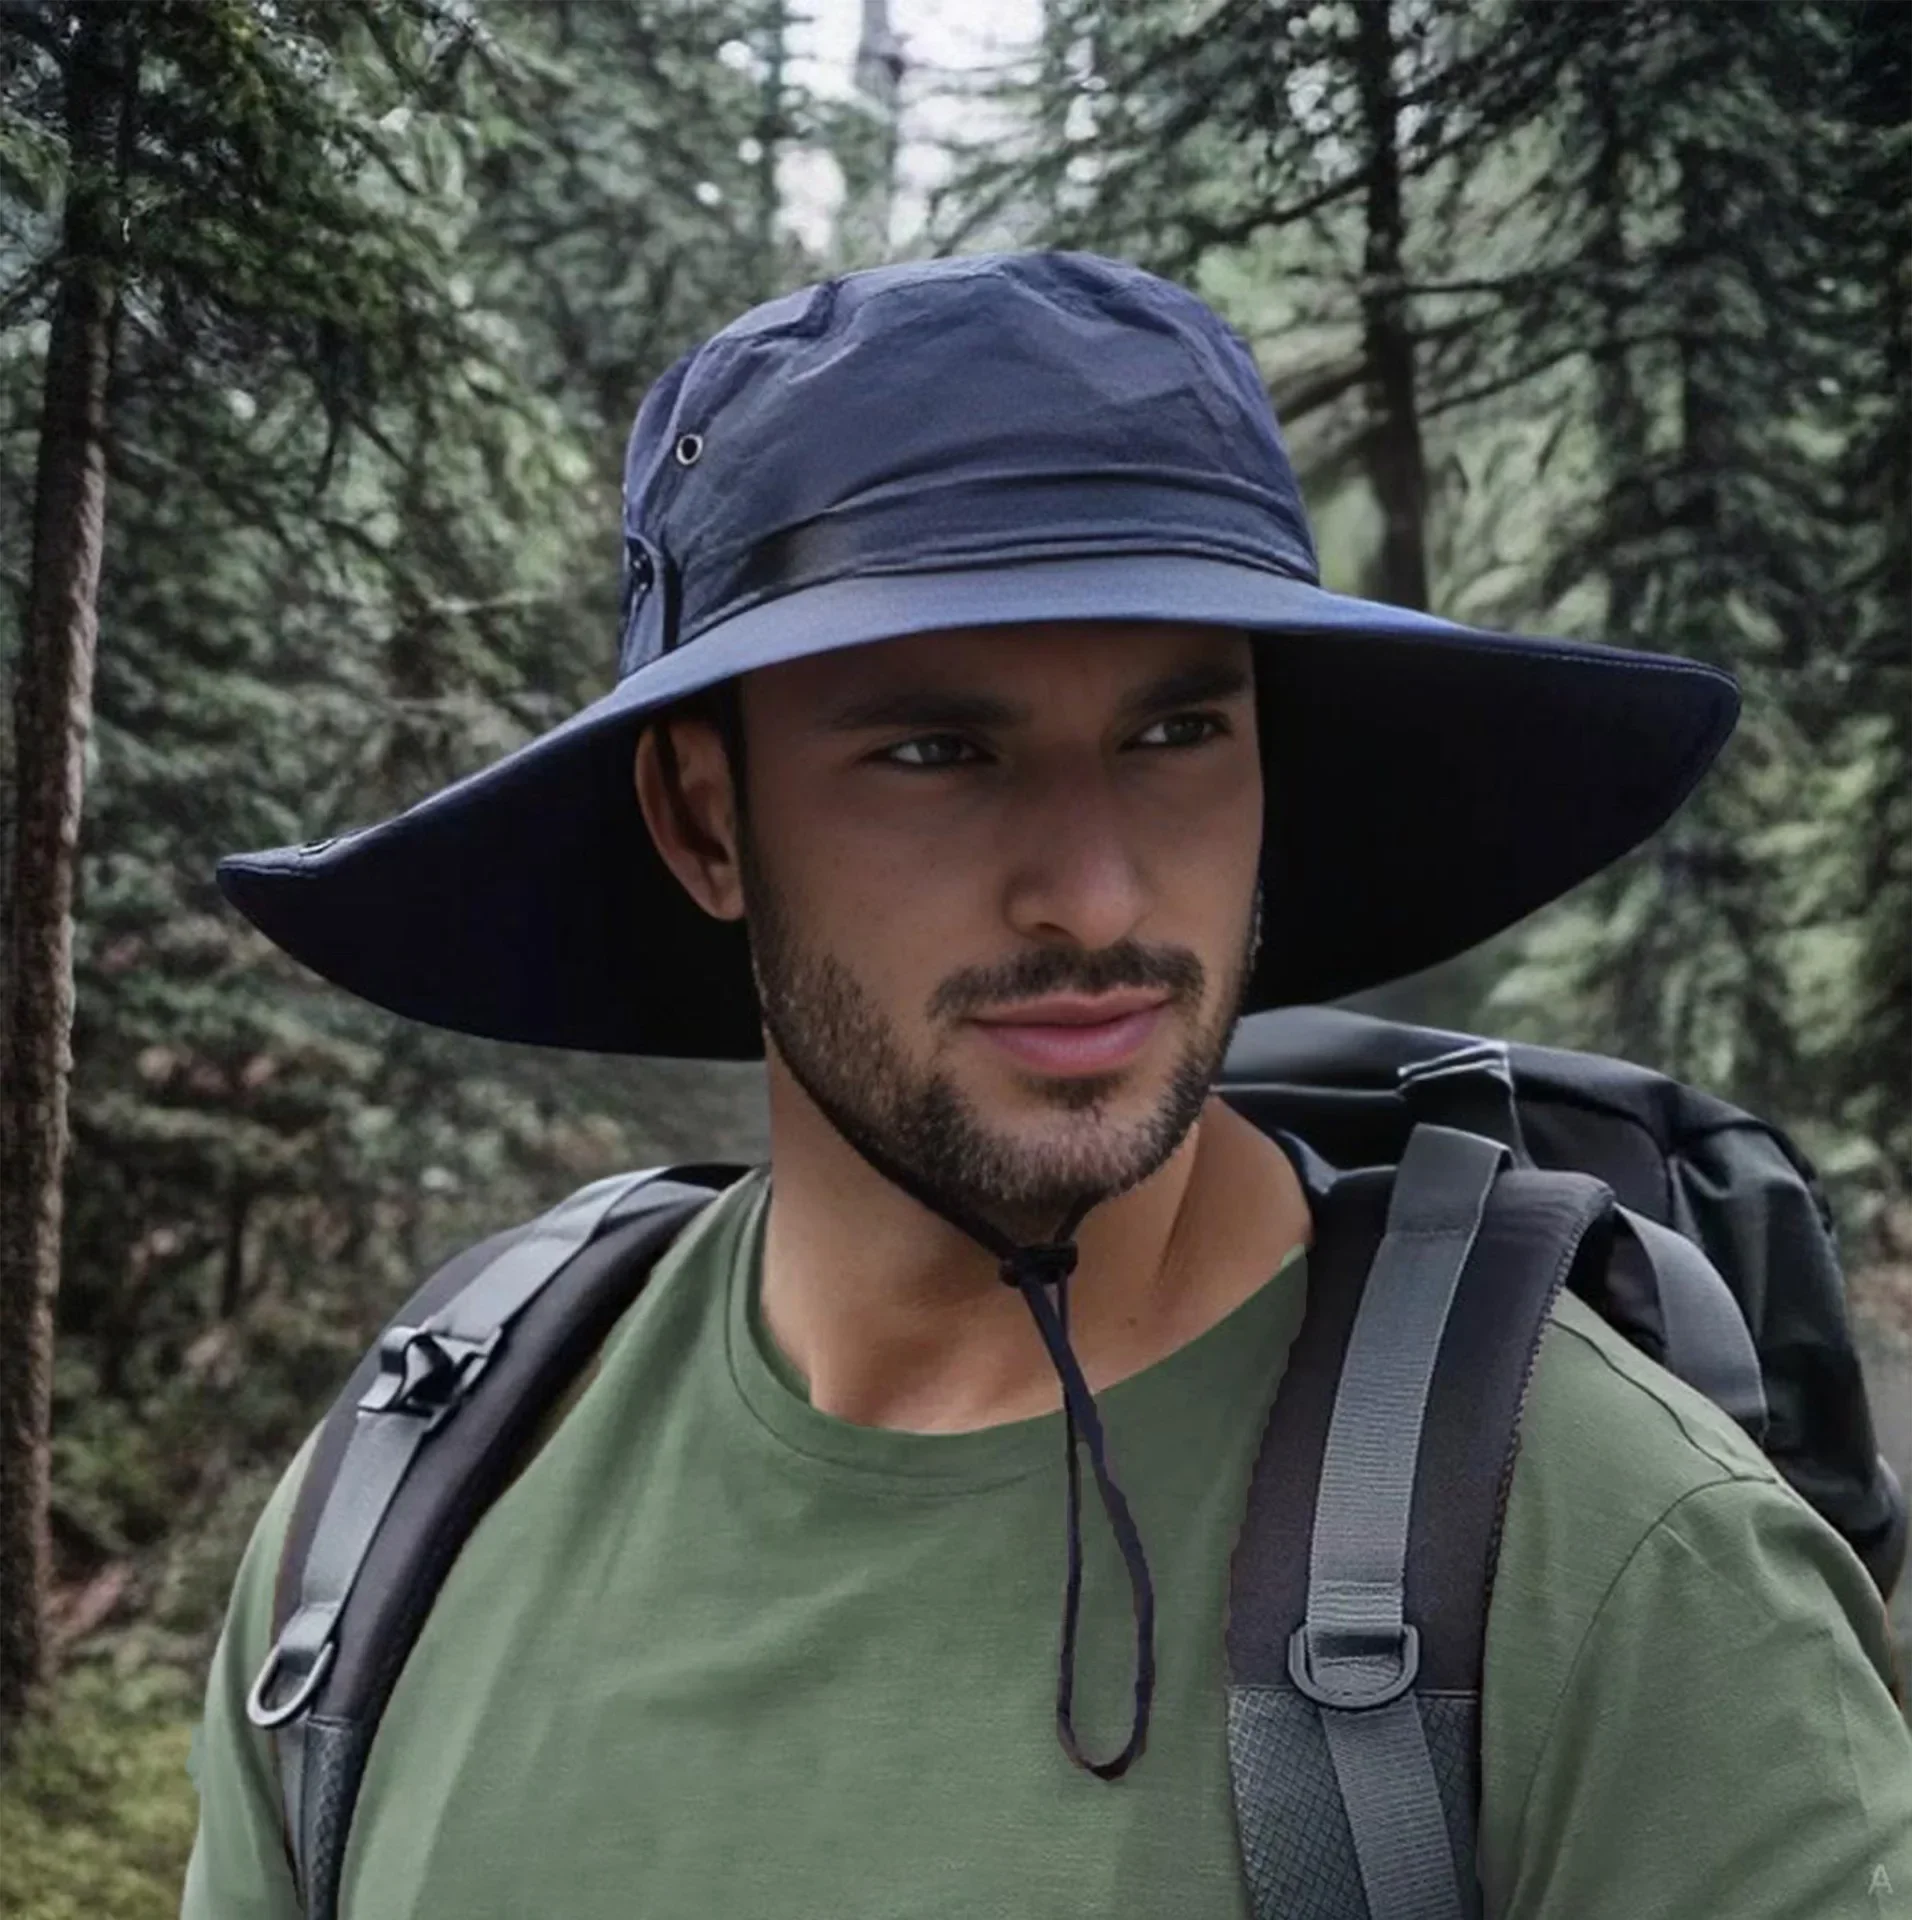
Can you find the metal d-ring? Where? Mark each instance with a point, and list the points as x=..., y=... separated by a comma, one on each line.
x=269, y=1717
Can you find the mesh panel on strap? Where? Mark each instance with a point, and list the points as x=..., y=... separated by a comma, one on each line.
x=1296, y=1845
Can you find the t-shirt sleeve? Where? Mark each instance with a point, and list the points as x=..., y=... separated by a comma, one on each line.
x=1727, y=1742
x=238, y=1869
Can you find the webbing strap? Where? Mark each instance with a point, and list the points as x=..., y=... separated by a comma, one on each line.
x=425, y=1371
x=1708, y=1343
x=1354, y=1654
x=1393, y=1802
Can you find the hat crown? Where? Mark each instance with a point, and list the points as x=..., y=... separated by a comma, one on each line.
x=974, y=410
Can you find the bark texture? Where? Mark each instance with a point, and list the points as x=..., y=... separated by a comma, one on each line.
x=53, y=696
x=1396, y=465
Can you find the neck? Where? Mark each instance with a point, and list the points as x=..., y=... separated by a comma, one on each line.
x=896, y=1319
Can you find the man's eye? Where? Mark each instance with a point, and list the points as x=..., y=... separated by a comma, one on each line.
x=929, y=750
x=1182, y=730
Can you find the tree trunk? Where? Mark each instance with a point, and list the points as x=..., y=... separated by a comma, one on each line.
x=1620, y=422
x=52, y=710
x=1396, y=466
x=771, y=129
x=1890, y=964
x=866, y=148
x=1884, y=117
x=1636, y=970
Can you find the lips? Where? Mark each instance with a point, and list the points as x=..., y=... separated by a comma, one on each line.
x=1077, y=1034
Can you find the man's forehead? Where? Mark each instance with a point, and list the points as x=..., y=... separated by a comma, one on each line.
x=1116, y=659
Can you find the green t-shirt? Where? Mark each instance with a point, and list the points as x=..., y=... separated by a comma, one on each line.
x=714, y=1652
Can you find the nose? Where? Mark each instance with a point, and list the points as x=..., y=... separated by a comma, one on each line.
x=1076, y=873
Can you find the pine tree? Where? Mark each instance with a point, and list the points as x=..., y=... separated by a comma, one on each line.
x=52, y=702
x=215, y=210
x=337, y=575
x=1699, y=296
x=1875, y=213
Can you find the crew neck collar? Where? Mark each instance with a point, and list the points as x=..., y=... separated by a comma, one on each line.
x=774, y=1394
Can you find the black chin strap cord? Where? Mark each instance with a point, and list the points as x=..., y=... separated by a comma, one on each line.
x=1032, y=1270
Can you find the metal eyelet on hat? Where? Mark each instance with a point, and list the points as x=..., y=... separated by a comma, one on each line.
x=689, y=449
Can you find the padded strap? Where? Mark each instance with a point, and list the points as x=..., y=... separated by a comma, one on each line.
x=1354, y=1654
x=1708, y=1343
x=425, y=1371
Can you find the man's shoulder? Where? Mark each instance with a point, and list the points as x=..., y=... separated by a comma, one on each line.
x=1611, y=1445
x=1604, y=1424
x=1621, y=1465
x=1682, y=1658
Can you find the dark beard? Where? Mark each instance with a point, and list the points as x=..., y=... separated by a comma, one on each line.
x=846, y=1056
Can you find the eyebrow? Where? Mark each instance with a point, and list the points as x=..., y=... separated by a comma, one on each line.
x=922, y=707
x=934, y=709
x=1186, y=687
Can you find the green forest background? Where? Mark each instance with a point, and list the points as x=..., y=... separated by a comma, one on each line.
x=1583, y=316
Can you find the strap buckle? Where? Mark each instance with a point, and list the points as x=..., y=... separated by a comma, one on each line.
x=427, y=1371
x=1348, y=1657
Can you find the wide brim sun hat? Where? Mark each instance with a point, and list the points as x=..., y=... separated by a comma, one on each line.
x=989, y=441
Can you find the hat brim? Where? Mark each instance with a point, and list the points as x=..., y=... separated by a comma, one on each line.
x=1428, y=785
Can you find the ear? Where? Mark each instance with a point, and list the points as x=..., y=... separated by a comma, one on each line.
x=685, y=792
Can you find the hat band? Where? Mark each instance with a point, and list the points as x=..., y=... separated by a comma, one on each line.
x=987, y=521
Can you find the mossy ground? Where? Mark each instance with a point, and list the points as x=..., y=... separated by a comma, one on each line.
x=97, y=1814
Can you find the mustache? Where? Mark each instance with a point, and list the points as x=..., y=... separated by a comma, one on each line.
x=1046, y=970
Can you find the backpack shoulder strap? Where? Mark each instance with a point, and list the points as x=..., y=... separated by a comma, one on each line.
x=1669, y=1298
x=417, y=1445
x=1361, y=1579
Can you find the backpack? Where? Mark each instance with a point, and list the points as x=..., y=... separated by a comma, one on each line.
x=1456, y=1185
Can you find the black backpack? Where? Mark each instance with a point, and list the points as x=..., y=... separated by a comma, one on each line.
x=1456, y=1185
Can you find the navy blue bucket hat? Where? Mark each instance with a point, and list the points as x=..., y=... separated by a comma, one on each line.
x=993, y=440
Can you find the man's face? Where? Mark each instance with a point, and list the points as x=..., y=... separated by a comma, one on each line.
x=1000, y=886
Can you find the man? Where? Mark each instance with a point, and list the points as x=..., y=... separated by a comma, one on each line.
x=993, y=745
